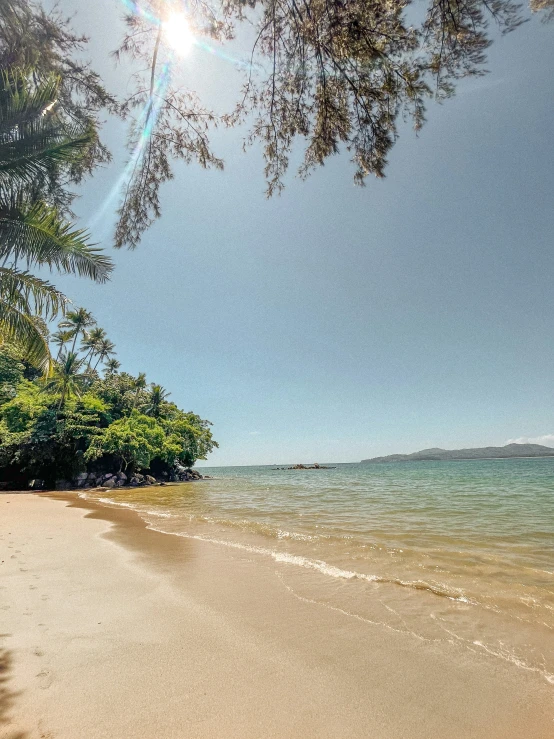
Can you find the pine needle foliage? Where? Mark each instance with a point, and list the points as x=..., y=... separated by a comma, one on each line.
x=328, y=75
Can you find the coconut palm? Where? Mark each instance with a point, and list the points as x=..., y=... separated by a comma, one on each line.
x=156, y=398
x=77, y=322
x=91, y=343
x=140, y=384
x=67, y=379
x=36, y=147
x=105, y=350
x=89, y=377
x=60, y=339
x=112, y=366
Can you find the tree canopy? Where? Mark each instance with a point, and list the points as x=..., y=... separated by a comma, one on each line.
x=330, y=74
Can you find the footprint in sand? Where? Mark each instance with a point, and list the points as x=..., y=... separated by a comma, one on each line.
x=44, y=733
x=44, y=679
x=38, y=652
x=33, y=587
x=44, y=597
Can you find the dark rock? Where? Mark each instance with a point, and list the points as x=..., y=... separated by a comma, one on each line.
x=150, y=480
x=63, y=485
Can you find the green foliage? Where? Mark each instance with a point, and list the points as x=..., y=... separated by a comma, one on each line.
x=78, y=420
x=11, y=374
x=134, y=440
x=67, y=380
x=19, y=413
x=157, y=405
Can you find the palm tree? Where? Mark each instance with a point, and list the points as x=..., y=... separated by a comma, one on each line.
x=89, y=377
x=67, y=378
x=156, y=398
x=140, y=384
x=60, y=339
x=105, y=350
x=77, y=321
x=112, y=365
x=36, y=147
x=91, y=343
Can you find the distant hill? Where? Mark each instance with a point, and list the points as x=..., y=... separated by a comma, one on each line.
x=486, y=452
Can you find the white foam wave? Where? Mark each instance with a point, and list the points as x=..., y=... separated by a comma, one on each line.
x=295, y=536
x=107, y=501
x=327, y=569
x=321, y=566
x=511, y=657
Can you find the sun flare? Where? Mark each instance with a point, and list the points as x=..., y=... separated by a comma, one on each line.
x=178, y=34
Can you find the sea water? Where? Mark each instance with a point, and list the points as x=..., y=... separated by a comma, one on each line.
x=455, y=551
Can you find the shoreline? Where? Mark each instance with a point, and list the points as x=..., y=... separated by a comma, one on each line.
x=110, y=628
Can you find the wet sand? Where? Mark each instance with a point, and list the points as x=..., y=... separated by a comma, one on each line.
x=109, y=629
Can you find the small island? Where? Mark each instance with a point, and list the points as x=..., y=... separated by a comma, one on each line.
x=314, y=466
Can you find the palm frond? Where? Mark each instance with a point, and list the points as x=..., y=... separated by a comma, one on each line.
x=33, y=137
x=30, y=294
x=21, y=102
x=19, y=327
x=37, y=233
x=30, y=153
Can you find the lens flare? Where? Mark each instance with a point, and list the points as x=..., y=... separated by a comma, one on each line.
x=178, y=34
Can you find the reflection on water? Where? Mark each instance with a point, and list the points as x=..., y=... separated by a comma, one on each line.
x=458, y=551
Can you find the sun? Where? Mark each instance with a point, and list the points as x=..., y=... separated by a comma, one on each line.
x=178, y=34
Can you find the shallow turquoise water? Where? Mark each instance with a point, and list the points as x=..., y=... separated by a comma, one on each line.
x=461, y=551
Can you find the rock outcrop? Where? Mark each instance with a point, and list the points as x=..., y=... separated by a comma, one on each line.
x=315, y=466
x=109, y=480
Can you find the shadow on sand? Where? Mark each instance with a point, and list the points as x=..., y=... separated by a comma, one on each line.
x=7, y=698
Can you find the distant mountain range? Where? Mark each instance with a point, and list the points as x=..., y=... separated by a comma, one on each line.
x=486, y=452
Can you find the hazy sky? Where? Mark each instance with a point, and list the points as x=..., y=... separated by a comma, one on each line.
x=334, y=323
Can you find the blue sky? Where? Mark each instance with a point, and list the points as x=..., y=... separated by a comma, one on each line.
x=335, y=323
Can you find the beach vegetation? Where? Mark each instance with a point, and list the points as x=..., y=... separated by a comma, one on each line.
x=134, y=441
x=85, y=420
x=67, y=380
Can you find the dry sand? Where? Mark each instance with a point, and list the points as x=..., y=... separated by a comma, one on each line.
x=108, y=629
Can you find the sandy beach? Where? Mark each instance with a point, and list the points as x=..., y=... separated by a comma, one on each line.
x=109, y=629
